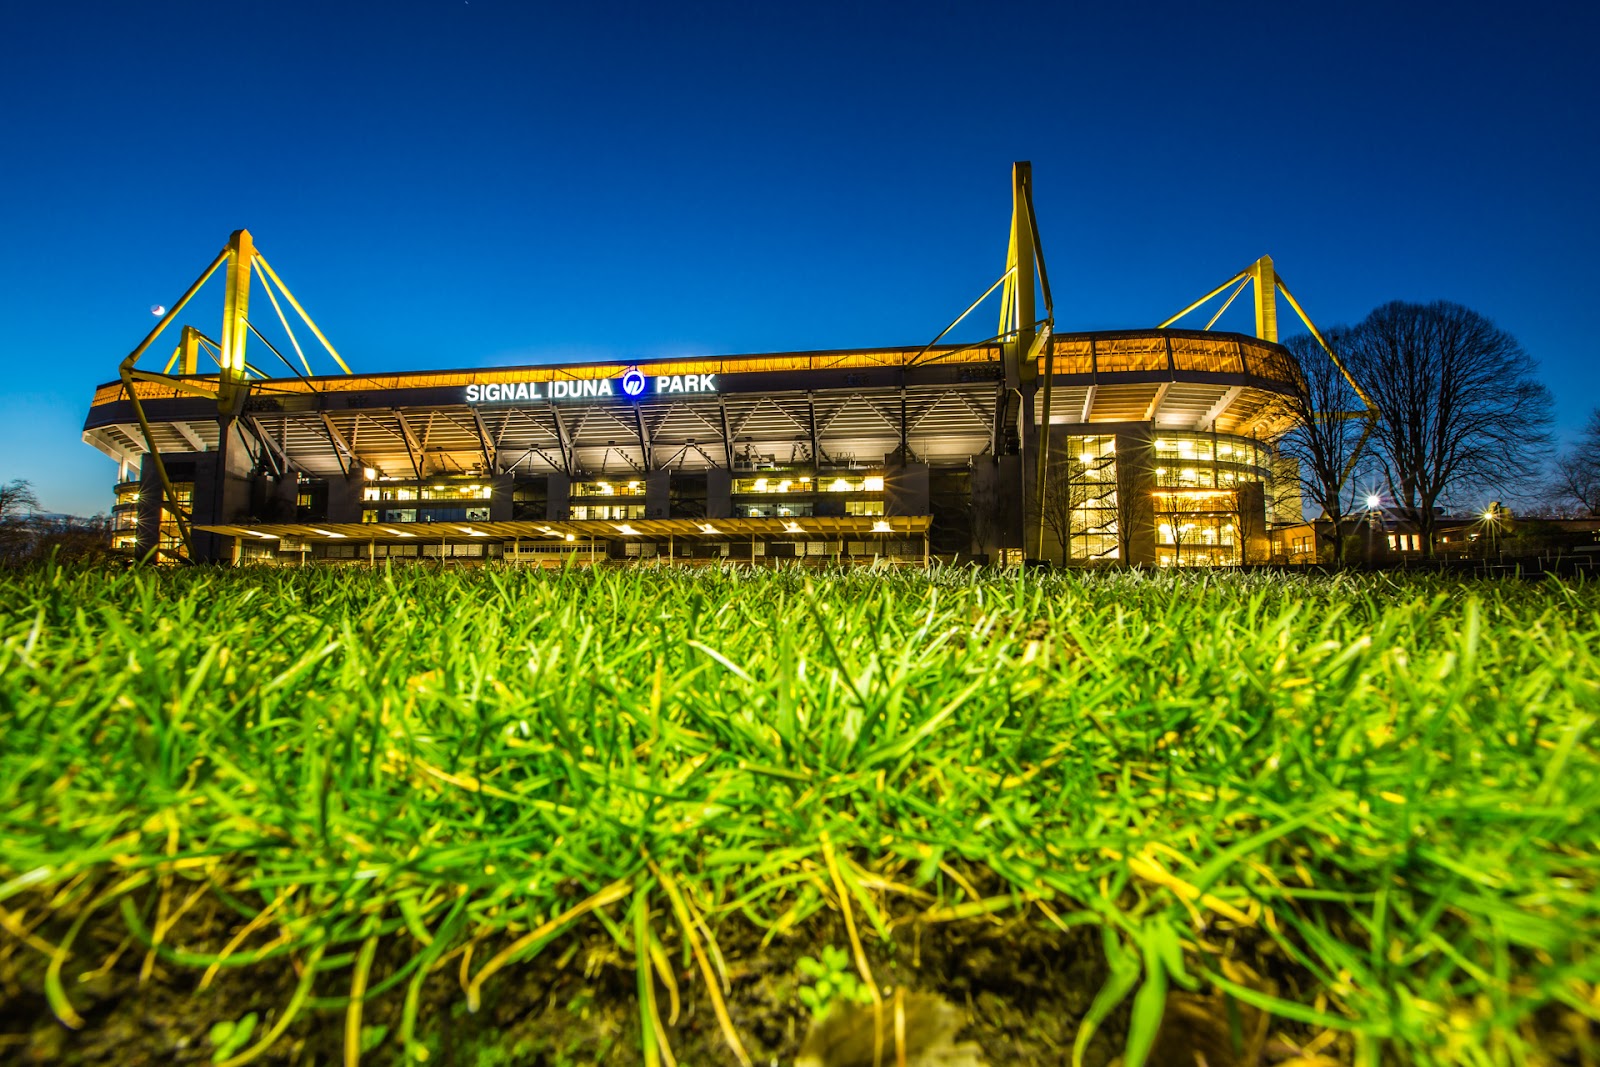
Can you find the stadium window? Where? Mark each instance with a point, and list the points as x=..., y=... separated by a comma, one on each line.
x=608, y=488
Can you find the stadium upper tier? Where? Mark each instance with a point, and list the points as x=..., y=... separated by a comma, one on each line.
x=718, y=412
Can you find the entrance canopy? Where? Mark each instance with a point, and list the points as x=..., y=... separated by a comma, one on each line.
x=803, y=527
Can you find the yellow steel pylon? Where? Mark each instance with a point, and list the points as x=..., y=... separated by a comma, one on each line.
x=231, y=383
x=1268, y=284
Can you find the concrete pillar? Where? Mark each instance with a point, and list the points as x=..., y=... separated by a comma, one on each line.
x=558, y=497
x=1254, y=545
x=719, y=494
x=657, y=495
x=500, y=499
x=996, y=505
x=905, y=489
x=345, y=494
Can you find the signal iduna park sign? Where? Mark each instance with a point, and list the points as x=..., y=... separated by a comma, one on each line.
x=632, y=384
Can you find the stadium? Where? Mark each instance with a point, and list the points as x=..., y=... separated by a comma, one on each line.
x=1148, y=446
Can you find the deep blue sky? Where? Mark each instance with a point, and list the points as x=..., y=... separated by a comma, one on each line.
x=451, y=183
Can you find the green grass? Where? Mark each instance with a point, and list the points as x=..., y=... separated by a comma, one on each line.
x=1396, y=781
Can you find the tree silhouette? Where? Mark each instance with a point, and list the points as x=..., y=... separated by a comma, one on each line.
x=1460, y=406
x=1328, y=433
x=1578, y=472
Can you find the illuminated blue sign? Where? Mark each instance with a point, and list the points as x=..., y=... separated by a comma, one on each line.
x=634, y=383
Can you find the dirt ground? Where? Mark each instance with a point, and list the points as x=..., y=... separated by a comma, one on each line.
x=1022, y=986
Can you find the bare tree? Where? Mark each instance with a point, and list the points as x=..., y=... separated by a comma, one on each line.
x=1578, y=472
x=1329, y=430
x=1460, y=406
x=1172, y=509
x=1135, y=508
x=16, y=499
x=1064, y=495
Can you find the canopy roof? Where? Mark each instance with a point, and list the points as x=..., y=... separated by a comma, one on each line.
x=805, y=526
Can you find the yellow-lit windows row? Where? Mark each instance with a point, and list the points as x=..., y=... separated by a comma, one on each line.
x=1205, y=448
x=608, y=511
x=775, y=484
x=869, y=483
x=427, y=492
x=605, y=488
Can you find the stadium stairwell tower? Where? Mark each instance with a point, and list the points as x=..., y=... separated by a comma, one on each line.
x=1022, y=453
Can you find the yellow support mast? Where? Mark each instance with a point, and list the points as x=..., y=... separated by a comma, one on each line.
x=1268, y=284
x=1024, y=340
x=241, y=256
x=235, y=319
x=1017, y=307
x=1266, y=279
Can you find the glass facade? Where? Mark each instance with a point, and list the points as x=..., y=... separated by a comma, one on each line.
x=1091, y=469
x=608, y=511
x=1200, y=498
x=605, y=488
x=786, y=494
x=125, y=516
x=598, y=499
x=169, y=538
x=777, y=509
x=1174, y=499
x=435, y=502
x=381, y=492
x=1212, y=461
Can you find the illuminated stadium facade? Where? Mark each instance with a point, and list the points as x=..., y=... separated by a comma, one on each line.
x=1157, y=451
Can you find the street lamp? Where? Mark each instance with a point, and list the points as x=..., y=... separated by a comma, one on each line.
x=1374, y=504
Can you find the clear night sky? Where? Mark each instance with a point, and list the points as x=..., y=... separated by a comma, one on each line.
x=452, y=184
